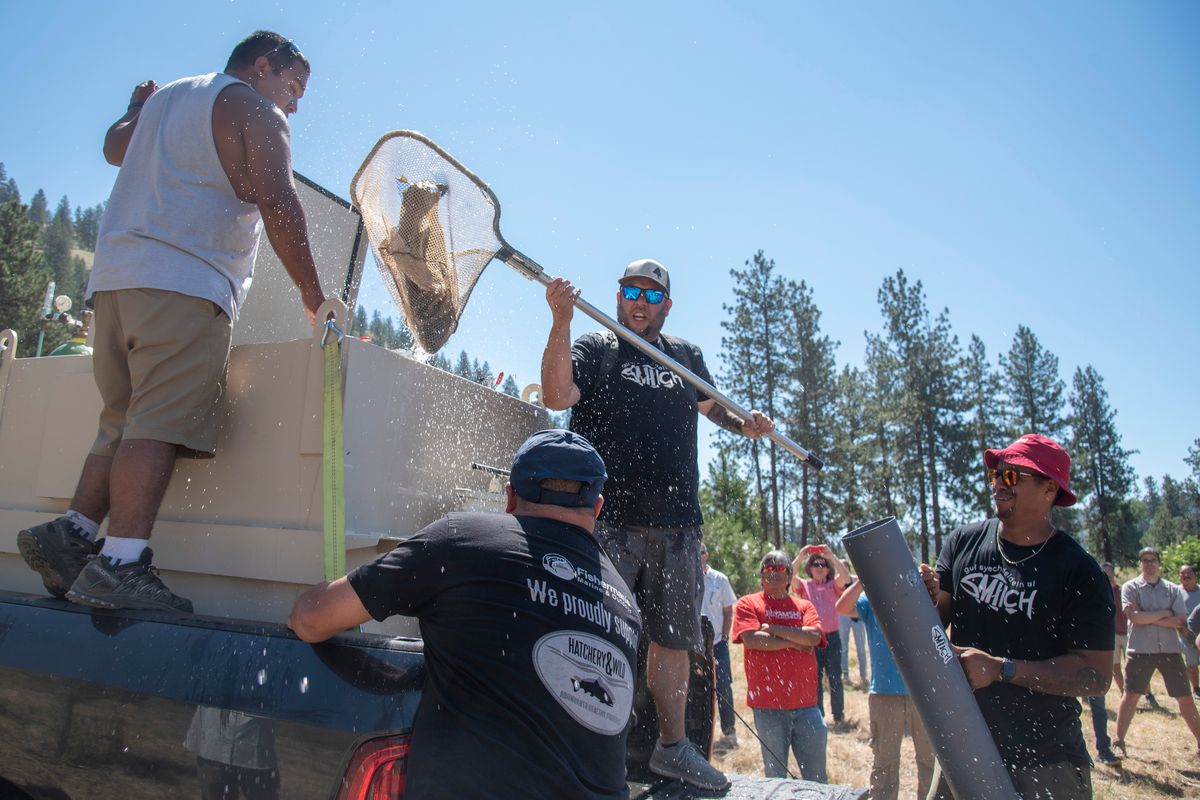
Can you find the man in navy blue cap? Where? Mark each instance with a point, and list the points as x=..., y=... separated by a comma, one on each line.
x=530, y=635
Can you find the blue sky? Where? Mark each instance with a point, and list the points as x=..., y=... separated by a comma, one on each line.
x=1030, y=163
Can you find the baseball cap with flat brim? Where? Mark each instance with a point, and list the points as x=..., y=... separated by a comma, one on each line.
x=648, y=268
x=1042, y=454
x=562, y=455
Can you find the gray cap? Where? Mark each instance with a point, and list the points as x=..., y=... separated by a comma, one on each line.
x=648, y=268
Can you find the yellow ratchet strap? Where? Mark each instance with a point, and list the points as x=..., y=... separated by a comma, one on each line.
x=333, y=459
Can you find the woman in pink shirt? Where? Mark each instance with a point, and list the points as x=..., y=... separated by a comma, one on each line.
x=827, y=577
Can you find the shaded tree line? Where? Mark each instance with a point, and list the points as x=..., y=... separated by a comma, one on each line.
x=904, y=433
x=393, y=335
x=38, y=246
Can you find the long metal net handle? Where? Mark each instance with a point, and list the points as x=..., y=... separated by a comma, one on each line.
x=534, y=272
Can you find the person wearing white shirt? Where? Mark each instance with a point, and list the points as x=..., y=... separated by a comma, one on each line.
x=719, y=598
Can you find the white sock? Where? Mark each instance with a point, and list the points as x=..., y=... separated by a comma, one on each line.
x=122, y=550
x=90, y=529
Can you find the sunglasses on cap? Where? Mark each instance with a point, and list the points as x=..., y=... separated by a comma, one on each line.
x=653, y=296
x=1011, y=477
x=288, y=47
x=774, y=568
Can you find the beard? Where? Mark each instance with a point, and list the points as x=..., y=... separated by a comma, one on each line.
x=653, y=323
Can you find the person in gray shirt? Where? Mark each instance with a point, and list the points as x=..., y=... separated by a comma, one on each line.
x=205, y=167
x=1191, y=594
x=1157, y=610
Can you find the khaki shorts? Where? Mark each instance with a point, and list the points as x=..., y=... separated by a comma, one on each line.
x=159, y=361
x=661, y=566
x=1119, y=649
x=1140, y=667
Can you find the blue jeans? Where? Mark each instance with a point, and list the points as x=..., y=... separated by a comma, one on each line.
x=829, y=664
x=724, y=687
x=1100, y=723
x=801, y=729
x=854, y=629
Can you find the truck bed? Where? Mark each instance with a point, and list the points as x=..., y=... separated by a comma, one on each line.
x=126, y=704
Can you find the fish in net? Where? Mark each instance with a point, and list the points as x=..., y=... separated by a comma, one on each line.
x=431, y=228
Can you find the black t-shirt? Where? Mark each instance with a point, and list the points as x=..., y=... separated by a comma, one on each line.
x=642, y=419
x=531, y=650
x=1056, y=601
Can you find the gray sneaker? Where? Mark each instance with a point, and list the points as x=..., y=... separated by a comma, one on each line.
x=135, y=585
x=57, y=550
x=685, y=762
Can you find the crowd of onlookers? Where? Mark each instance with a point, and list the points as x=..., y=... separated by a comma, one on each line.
x=1157, y=627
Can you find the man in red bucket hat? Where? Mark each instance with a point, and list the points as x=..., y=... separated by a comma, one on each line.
x=1031, y=620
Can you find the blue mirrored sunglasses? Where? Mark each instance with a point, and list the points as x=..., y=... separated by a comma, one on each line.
x=653, y=296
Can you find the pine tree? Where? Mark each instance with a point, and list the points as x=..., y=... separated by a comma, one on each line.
x=39, y=209
x=731, y=522
x=905, y=345
x=8, y=187
x=87, y=226
x=23, y=275
x=985, y=422
x=884, y=402
x=400, y=337
x=812, y=374
x=510, y=387
x=1193, y=459
x=359, y=326
x=1100, y=465
x=850, y=451
x=756, y=369
x=463, y=368
x=1034, y=387
x=58, y=240
x=377, y=329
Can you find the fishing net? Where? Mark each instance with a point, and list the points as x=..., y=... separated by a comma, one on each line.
x=432, y=228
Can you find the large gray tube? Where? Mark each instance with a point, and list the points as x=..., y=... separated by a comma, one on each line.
x=917, y=639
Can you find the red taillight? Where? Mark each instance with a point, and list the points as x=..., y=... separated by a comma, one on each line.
x=376, y=770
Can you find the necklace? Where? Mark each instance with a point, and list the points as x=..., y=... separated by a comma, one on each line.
x=1000, y=547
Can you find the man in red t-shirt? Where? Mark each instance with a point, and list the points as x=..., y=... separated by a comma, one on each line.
x=779, y=633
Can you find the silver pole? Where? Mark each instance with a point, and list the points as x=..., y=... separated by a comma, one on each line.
x=534, y=272
x=935, y=681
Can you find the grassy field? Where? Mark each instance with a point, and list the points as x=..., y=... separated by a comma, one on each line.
x=1161, y=760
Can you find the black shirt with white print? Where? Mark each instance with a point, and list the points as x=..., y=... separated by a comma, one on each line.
x=531, y=655
x=641, y=417
x=1049, y=603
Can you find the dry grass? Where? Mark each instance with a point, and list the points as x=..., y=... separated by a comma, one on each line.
x=1161, y=760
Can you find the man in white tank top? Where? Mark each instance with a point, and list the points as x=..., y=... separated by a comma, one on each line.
x=205, y=166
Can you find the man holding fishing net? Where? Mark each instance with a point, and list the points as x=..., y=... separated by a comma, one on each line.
x=642, y=418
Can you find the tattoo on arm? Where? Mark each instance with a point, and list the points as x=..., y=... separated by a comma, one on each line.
x=722, y=418
x=1091, y=682
x=1050, y=677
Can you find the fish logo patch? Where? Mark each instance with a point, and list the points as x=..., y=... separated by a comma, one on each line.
x=589, y=677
